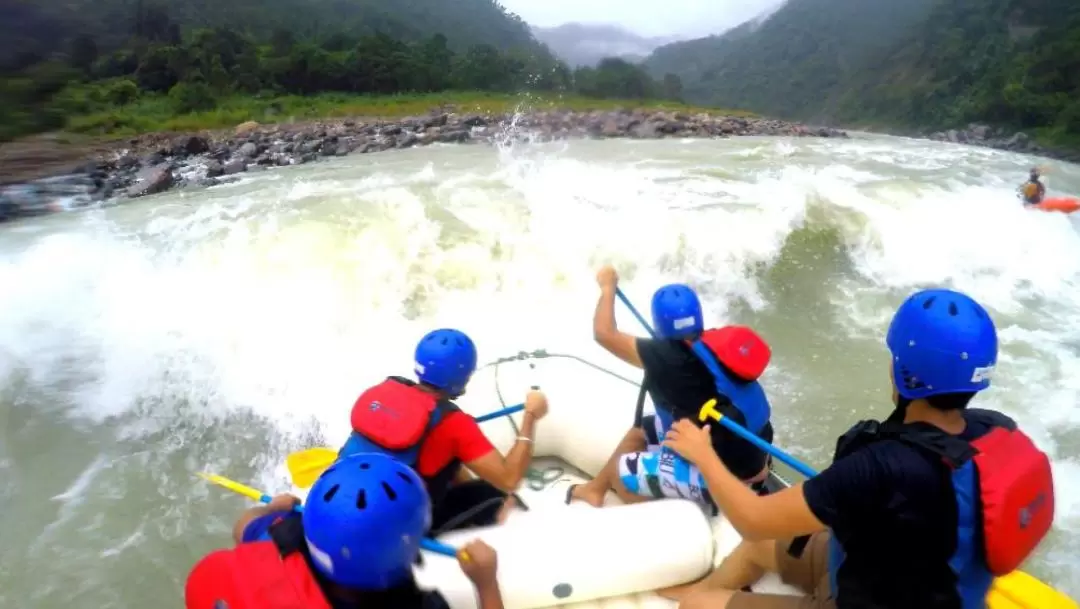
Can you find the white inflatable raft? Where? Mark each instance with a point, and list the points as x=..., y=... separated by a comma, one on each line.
x=554, y=555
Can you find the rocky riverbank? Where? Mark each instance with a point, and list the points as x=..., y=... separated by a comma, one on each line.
x=157, y=163
x=1000, y=139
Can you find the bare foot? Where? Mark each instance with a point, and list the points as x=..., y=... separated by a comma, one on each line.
x=589, y=492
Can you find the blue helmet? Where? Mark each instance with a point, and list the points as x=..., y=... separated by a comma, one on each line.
x=446, y=359
x=941, y=341
x=363, y=521
x=676, y=311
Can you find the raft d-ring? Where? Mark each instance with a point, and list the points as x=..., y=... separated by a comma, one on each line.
x=709, y=411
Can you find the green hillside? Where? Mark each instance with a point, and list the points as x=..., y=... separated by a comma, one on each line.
x=792, y=62
x=160, y=63
x=1004, y=62
x=33, y=28
x=920, y=63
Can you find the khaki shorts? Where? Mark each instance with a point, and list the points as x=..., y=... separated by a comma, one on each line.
x=809, y=573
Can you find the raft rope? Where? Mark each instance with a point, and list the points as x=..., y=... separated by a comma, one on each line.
x=539, y=479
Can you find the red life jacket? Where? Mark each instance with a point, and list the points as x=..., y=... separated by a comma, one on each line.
x=1013, y=482
x=740, y=349
x=1016, y=488
x=271, y=574
x=394, y=417
x=744, y=355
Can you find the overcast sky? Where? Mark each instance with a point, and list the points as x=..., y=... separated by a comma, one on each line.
x=691, y=18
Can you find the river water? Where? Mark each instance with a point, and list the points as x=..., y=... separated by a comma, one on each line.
x=217, y=330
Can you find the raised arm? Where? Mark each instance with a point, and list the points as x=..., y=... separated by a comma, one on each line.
x=507, y=472
x=605, y=331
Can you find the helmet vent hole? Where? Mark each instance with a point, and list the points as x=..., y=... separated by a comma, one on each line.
x=910, y=380
x=953, y=311
x=365, y=466
x=929, y=302
x=407, y=479
x=330, y=493
x=361, y=500
x=389, y=491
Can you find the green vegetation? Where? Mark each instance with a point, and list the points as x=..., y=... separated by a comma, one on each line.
x=928, y=64
x=34, y=29
x=156, y=113
x=1002, y=62
x=167, y=76
x=795, y=61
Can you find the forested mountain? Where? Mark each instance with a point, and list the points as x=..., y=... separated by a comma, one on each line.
x=791, y=62
x=917, y=63
x=74, y=66
x=37, y=27
x=580, y=44
x=1007, y=62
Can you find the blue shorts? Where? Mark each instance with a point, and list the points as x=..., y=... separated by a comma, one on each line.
x=658, y=472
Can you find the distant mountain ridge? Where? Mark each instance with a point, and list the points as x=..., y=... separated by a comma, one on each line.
x=915, y=64
x=38, y=27
x=794, y=59
x=583, y=44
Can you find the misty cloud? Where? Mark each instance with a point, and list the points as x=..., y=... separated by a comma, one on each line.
x=682, y=18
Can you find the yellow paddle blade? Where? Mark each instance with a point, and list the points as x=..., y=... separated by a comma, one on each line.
x=306, y=466
x=1018, y=590
x=232, y=485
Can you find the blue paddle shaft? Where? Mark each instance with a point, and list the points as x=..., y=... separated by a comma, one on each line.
x=626, y=301
x=438, y=547
x=745, y=434
x=734, y=427
x=500, y=413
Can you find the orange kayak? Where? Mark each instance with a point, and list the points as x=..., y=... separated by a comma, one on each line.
x=1065, y=205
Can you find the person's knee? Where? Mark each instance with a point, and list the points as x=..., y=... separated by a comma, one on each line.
x=628, y=488
x=763, y=554
x=635, y=437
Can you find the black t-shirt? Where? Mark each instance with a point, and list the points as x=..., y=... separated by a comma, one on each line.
x=892, y=507
x=677, y=379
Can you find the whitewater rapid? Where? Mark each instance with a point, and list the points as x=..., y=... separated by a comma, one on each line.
x=218, y=330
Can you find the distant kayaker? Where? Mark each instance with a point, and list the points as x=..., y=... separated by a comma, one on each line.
x=419, y=424
x=353, y=547
x=1033, y=191
x=922, y=510
x=678, y=378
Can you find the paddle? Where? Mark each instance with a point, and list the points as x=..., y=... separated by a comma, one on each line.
x=630, y=306
x=509, y=410
x=639, y=410
x=242, y=489
x=709, y=411
x=306, y=466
